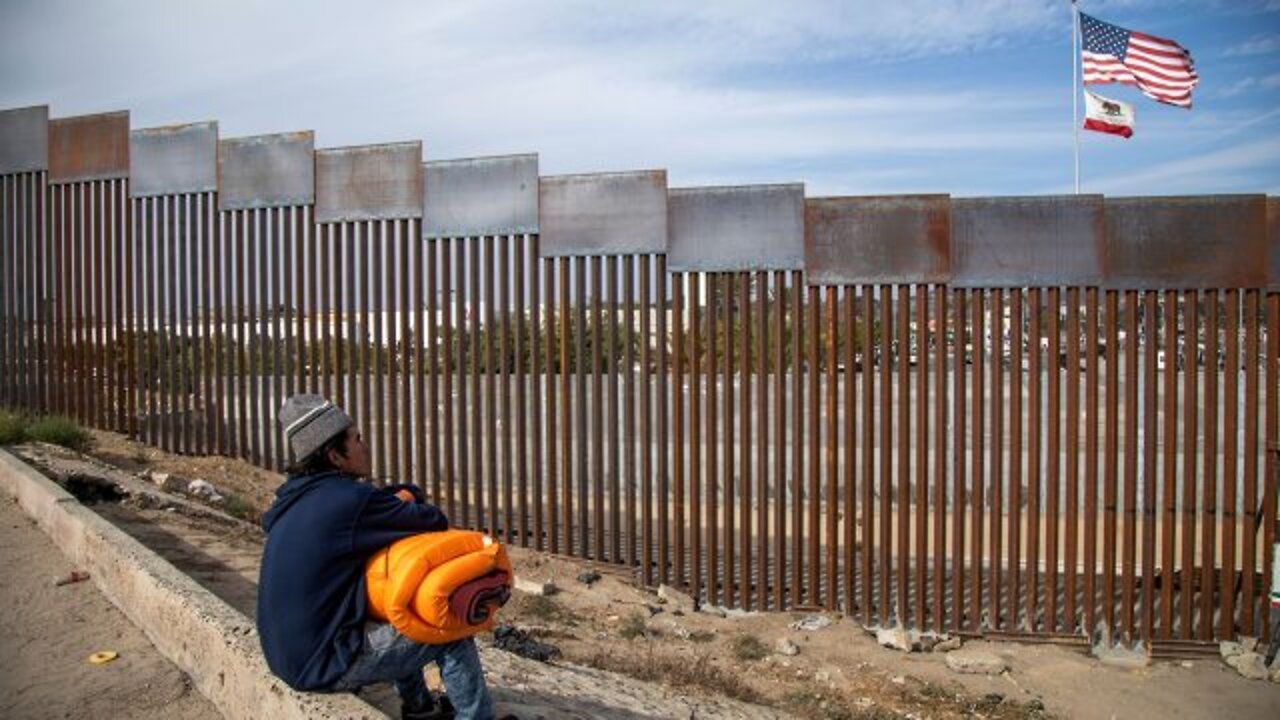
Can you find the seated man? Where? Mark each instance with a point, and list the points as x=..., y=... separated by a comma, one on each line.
x=312, y=607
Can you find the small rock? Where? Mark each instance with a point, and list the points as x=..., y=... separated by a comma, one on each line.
x=672, y=596
x=822, y=676
x=1250, y=665
x=898, y=638
x=588, y=577
x=535, y=587
x=653, y=609
x=203, y=489
x=949, y=644
x=612, y=619
x=812, y=623
x=898, y=680
x=1229, y=649
x=1188, y=664
x=784, y=646
x=712, y=610
x=976, y=662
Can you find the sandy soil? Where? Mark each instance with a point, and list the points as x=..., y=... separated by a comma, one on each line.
x=617, y=625
x=47, y=634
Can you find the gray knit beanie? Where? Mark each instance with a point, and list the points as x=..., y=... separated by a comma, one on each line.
x=309, y=421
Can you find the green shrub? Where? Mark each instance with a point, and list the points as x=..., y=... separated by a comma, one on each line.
x=59, y=430
x=633, y=626
x=748, y=647
x=13, y=428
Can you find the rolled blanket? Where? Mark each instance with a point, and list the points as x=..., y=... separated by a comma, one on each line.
x=476, y=600
x=410, y=583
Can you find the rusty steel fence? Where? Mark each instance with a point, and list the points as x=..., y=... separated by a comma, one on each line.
x=1028, y=417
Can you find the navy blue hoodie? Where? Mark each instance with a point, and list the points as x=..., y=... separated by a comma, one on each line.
x=311, y=593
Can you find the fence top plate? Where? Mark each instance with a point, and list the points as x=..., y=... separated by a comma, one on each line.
x=24, y=139
x=736, y=228
x=893, y=239
x=1189, y=242
x=369, y=182
x=89, y=147
x=1047, y=241
x=264, y=171
x=173, y=159
x=480, y=196
x=617, y=213
x=1273, y=240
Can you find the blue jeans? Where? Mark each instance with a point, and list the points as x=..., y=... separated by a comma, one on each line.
x=389, y=656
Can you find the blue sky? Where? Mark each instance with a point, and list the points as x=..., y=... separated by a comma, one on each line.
x=971, y=98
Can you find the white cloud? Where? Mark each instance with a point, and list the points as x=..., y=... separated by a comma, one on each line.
x=1258, y=45
x=1229, y=169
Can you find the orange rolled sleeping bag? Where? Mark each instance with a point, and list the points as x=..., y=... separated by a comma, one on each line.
x=408, y=583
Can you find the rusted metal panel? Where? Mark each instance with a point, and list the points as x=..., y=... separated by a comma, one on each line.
x=24, y=139
x=1273, y=240
x=746, y=227
x=369, y=182
x=603, y=213
x=89, y=147
x=1204, y=241
x=173, y=159
x=480, y=196
x=878, y=240
x=267, y=171
x=1027, y=241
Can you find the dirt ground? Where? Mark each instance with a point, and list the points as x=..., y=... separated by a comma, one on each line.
x=47, y=634
x=615, y=625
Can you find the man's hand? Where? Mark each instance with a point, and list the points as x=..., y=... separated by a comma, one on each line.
x=406, y=496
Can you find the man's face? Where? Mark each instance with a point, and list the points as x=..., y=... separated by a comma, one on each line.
x=357, y=461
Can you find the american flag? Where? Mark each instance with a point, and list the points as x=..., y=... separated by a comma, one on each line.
x=1161, y=69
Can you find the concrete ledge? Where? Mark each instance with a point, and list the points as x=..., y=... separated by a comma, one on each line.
x=208, y=639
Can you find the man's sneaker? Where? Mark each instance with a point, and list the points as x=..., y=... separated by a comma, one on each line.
x=440, y=709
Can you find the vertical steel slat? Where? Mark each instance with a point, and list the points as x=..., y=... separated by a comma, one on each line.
x=131, y=262
x=535, y=383
x=94, y=276
x=1272, y=444
x=976, y=455
x=1110, y=462
x=234, y=263
x=744, y=464
x=1209, y=501
x=83, y=302
x=411, y=431
x=1091, y=460
x=1230, y=467
x=67, y=293
x=885, y=423
x=695, y=426
x=762, y=442
x=812, y=496
x=178, y=337
x=1248, y=533
x=360, y=362
x=18, y=220
x=426, y=389
x=996, y=451
x=566, y=430
x=165, y=319
x=779, y=441
x=904, y=448
x=849, y=411
x=296, y=308
x=1072, y=537
x=663, y=428
x=7, y=288
x=40, y=221
x=940, y=454
x=447, y=297
x=474, y=447
x=76, y=283
x=389, y=309
x=325, y=312
x=1148, y=539
x=579, y=488
x=614, y=417
x=1190, y=442
x=1034, y=414
x=868, y=371
x=490, y=435
x=1129, y=540
x=306, y=233
x=552, y=483
x=31, y=221
x=597, y=412
x=253, y=367
x=521, y=244
x=269, y=243
x=713, y=476
x=1053, y=527
x=629, y=407
x=677, y=417
x=1017, y=511
x=208, y=226
x=832, y=446
x=729, y=488
x=376, y=317
x=106, y=279
x=344, y=307
x=797, y=437
x=197, y=322
x=1169, y=488
x=959, y=495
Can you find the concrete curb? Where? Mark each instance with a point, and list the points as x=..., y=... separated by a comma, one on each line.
x=206, y=638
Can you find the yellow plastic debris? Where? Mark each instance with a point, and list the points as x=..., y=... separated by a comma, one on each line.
x=102, y=657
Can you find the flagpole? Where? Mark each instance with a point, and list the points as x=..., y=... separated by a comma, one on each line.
x=1075, y=89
